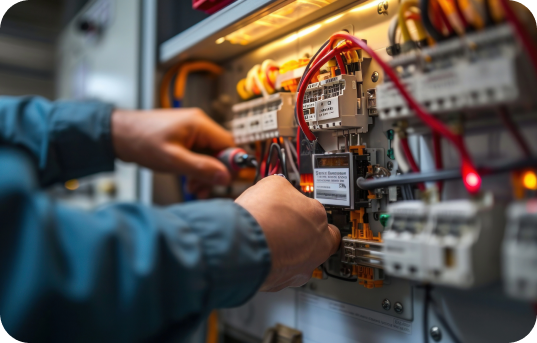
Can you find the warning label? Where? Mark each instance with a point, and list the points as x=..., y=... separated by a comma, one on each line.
x=332, y=186
x=328, y=109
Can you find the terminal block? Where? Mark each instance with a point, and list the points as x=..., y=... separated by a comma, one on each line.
x=455, y=243
x=520, y=251
x=335, y=104
x=264, y=118
x=482, y=71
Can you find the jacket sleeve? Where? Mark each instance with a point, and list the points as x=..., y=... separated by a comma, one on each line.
x=122, y=273
x=66, y=140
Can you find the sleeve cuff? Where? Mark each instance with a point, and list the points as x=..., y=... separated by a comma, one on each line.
x=81, y=138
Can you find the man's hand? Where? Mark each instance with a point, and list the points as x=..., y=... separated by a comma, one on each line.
x=162, y=140
x=296, y=229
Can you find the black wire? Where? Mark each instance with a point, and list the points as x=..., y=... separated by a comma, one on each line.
x=279, y=151
x=336, y=276
x=424, y=8
x=261, y=159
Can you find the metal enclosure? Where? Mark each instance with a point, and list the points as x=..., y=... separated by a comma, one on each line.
x=331, y=310
x=103, y=65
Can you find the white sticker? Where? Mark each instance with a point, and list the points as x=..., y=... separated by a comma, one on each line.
x=254, y=124
x=331, y=80
x=316, y=304
x=310, y=113
x=328, y=109
x=270, y=121
x=332, y=186
x=313, y=85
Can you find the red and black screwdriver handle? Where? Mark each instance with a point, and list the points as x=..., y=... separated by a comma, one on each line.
x=236, y=159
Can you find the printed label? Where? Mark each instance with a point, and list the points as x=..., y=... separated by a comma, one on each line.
x=255, y=124
x=310, y=113
x=313, y=85
x=389, y=322
x=270, y=121
x=332, y=186
x=328, y=109
x=333, y=79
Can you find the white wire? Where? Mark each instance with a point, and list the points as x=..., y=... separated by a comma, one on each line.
x=290, y=160
x=399, y=156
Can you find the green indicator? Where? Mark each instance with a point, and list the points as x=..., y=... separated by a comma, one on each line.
x=384, y=219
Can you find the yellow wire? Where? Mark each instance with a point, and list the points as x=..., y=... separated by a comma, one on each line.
x=241, y=89
x=405, y=6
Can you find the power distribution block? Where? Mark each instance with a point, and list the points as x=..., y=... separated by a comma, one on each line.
x=520, y=251
x=484, y=70
x=335, y=104
x=264, y=118
x=453, y=243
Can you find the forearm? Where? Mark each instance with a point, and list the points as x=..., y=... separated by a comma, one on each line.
x=123, y=273
x=65, y=139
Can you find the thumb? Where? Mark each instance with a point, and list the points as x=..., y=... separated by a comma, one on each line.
x=201, y=167
x=335, y=238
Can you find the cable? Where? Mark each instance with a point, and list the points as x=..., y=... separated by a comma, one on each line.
x=438, y=160
x=515, y=132
x=411, y=160
x=444, y=175
x=288, y=145
x=471, y=178
x=336, y=276
x=190, y=67
x=401, y=160
x=261, y=159
x=424, y=7
x=405, y=5
x=309, y=136
x=521, y=32
x=274, y=146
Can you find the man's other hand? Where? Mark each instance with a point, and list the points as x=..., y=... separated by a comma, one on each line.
x=296, y=228
x=162, y=140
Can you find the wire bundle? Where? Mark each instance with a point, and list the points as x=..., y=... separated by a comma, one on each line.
x=343, y=41
x=260, y=80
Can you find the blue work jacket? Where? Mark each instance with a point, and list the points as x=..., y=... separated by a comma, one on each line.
x=122, y=273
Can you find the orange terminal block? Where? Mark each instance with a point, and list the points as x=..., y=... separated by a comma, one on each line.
x=361, y=230
x=366, y=277
x=317, y=273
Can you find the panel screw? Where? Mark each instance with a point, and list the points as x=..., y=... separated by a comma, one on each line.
x=389, y=165
x=386, y=304
x=375, y=77
x=436, y=334
x=382, y=7
x=398, y=308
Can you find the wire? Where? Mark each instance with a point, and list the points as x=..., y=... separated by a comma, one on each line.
x=521, y=32
x=402, y=20
x=515, y=132
x=410, y=158
x=401, y=160
x=470, y=176
x=444, y=175
x=310, y=136
x=186, y=69
x=336, y=276
x=275, y=146
x=424, y=7
x=438, y=160
x=289, y=148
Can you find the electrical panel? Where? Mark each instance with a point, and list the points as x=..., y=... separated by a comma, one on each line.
x=386, y=174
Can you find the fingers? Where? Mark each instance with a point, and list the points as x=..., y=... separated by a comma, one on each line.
x=335, y=238
x=201, y=167
x=213, y=136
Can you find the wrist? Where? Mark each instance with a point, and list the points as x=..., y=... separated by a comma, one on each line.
x=121, y=130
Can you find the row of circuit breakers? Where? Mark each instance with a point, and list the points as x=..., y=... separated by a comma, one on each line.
x=461, y=243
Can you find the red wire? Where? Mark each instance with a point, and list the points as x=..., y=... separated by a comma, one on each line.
x=341, y=64
x=410, y=158
x=439, y=163
x=521, y=32
x=267, y=75
x=298, y=147
x=467, y=164
x=445, y=19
